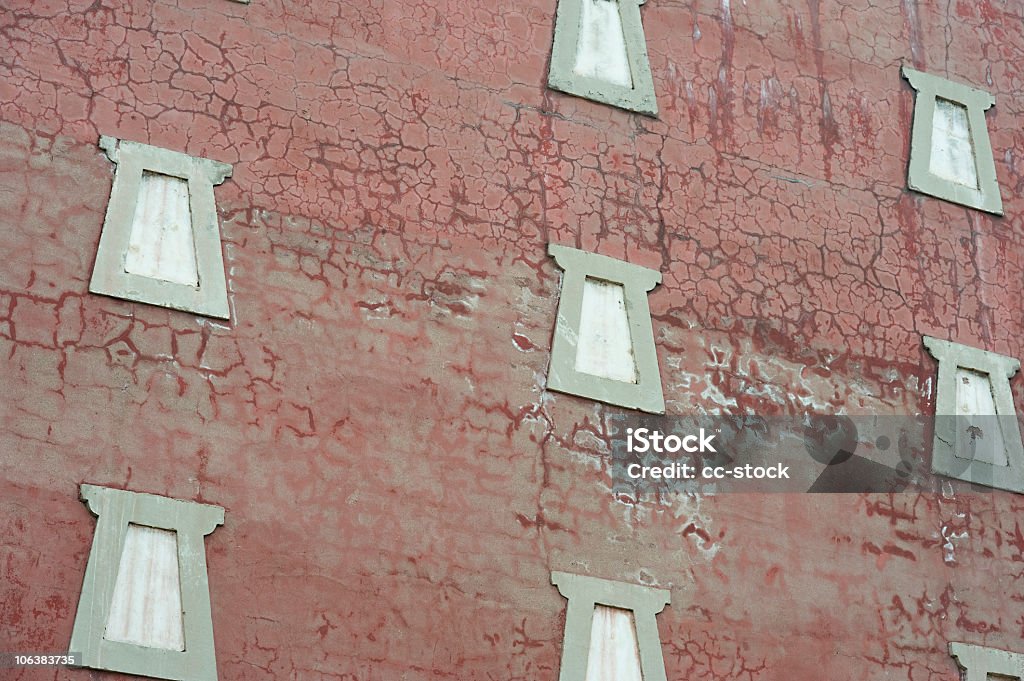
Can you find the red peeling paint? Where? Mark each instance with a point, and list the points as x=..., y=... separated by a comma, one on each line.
x=398, y=483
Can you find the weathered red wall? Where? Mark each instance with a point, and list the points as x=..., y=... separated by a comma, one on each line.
x=398, y=484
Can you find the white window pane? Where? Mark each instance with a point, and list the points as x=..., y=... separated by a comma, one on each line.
x=601, y=50
x=605, y=347
x=614, y=653
x=952, y=156
x=161, y=245
x=146, y=608
x=981, y=440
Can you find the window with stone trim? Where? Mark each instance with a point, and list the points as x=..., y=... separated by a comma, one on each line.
x=603, y=346
x=981, y=663
x=950, y=151
x=161, y=241
x=145, y=602
x=600, y=53
x=610, y=630
x=977, y=436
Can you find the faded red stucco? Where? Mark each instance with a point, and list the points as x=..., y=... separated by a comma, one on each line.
x=397, y=483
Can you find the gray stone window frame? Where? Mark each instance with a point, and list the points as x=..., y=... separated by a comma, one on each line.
x=210, y=297
x=1000, y=369
x=584, y=594
x=919, y=177
x=561, y=76
x=192, y=521
x=978, y=662
x=646, y=394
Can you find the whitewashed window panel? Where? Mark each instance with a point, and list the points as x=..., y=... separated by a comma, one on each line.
x=982, y=440
x=146, y=606
x=605, y=346
x=161, y=244
x=952, y=156
x=614, y=652
x=601, y=49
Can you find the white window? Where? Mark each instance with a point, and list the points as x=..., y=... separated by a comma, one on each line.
x=161, y=241
x=614, y=651
x=145, y=603
x=603, y=347
x=977, y=437
x=610, y=630
x=600, y=53
x=981, y=663
x=950, y=152
x=146, y=607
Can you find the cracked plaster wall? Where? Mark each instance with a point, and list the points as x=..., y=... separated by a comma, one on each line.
x=398, y=486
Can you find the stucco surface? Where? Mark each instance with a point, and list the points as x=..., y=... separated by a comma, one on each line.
x=398, y=484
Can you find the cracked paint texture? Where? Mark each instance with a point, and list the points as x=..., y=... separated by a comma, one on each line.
x=398, y=485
